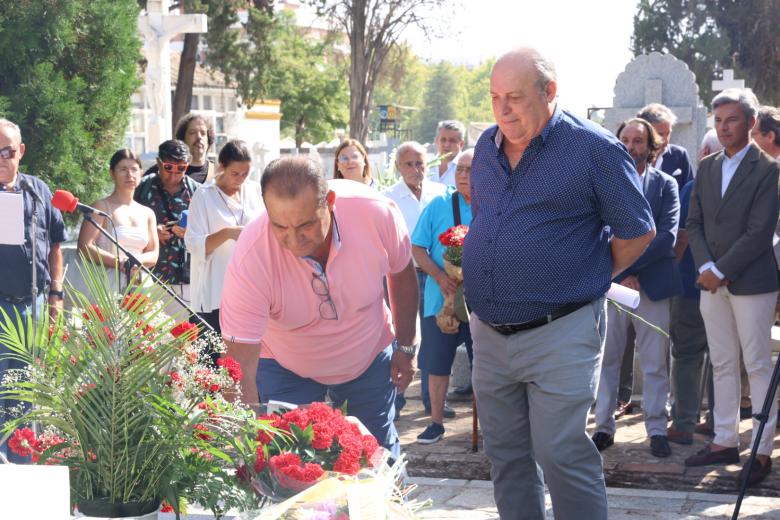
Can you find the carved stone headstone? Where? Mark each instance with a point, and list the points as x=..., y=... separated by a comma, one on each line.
x=660, y=78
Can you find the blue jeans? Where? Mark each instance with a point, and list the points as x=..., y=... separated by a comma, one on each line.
x=370, y=397
x=10, y=364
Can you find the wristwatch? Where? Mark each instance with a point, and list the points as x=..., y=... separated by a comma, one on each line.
x=406, y=349
x=57, y=294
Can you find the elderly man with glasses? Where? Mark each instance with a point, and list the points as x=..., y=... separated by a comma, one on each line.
x=303, y=307
x=168, y=193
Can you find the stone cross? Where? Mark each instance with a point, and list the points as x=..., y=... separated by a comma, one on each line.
x=157, y=28
x=728, y=81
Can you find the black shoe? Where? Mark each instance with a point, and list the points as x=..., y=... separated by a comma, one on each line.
x=449, y=413
x=602, y=440
x=433, y=433
x=461, y=393
x=659, y=446
x=706, y=456
x=745, y=412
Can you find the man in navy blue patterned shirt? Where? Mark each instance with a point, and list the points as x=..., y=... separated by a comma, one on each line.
x=537, y=263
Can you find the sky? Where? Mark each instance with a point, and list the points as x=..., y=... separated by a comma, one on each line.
x=588, y=40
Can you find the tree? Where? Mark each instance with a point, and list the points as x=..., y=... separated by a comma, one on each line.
x=712, y=35
x=309, y=85
x=68, y=72
x=240, y=50
x=373, y=28
x=441, y=91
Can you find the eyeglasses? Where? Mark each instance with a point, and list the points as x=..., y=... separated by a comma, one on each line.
x=173, y=167
x=353, y=157
x=413, y=164
x=463, y=169
x=319, y=285
x=8, y=152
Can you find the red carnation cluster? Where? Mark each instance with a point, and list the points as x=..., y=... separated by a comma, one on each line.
x=207, y=380
x=25, y=444
x=233, y=368
x=185, y=328
x=292, y=473
x=454, y=236
x=322, y=440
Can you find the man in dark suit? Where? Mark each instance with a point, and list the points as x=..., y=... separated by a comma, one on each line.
x=672, y=159
x=655, y=276
x=731, y=222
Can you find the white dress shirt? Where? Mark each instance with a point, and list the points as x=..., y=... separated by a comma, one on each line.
x=448, y=179
x=728, y=169
x=410, y=207
x=211, y=210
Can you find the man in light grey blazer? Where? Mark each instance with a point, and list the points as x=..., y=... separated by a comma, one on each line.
x=731, y=221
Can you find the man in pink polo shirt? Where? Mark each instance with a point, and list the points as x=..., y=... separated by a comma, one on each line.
x=303, y=294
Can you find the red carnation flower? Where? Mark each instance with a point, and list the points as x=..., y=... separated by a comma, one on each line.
x=284, y=459
x=259, y=459
x=370, y=447
x=23, y=442
x=233, y=368
x=96, y=312
x=190, y=329
x=202, y=431
x=347, y=463
x=135, y=302
x=166, y=507
x=298, y=416
x=323, y=436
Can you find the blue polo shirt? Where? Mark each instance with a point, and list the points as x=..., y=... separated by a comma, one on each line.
x=687, y=268
x=538, y=241
x=17, y=260
x=437, y=218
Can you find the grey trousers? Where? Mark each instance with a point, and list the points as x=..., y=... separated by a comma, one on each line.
x=653, y=350
x=534, y=390
x=689, y=344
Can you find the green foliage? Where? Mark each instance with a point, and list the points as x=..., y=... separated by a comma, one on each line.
x=244, y=56
x=68, y=71
x=712, y=35
x=309, y=84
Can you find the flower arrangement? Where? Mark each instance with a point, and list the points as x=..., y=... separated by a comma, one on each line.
x=128, y=400
x=453, y=311
x=310, y=443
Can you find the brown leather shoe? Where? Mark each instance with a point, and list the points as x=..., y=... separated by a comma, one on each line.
x=678, y=437
x=707, y=456
x=704, y=429
x=623, y=409
x=757, y=474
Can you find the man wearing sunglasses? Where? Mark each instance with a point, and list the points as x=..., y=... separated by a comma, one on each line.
x=16, y=282
x=304, y=294
x=168, y=193
x=198, y=134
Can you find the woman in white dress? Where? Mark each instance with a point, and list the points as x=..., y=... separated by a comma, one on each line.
x=136, y=225
x=218, y=213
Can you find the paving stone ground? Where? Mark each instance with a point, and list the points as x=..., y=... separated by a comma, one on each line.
x=628, y=463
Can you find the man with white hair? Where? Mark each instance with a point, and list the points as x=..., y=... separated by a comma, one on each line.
x=412, y=193
x=673, y=159
x=731, y=221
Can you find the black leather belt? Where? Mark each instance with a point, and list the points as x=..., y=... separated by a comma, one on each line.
x=507, y=329
x=15, y=300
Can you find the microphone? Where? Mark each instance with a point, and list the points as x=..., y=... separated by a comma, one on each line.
x=67, y=202
x=26, y=186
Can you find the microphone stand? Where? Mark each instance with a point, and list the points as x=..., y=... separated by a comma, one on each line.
x=135, y=261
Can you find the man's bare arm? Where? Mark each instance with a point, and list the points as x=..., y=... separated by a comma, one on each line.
x=626, y=252
x=247, y=356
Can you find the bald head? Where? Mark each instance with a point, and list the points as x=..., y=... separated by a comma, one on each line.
x=522, y=91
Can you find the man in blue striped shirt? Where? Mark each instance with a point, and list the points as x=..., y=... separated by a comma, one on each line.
x=538, y=260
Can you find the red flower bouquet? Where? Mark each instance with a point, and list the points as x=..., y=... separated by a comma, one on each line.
x=312, y=442
x=448, y=318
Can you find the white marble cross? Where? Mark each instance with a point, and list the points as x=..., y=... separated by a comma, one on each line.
x=157, y=28
x=728, y=81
